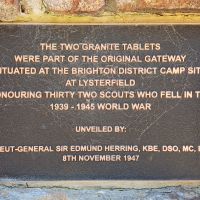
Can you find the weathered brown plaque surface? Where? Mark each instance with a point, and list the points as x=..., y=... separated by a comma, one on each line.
x=140, y=124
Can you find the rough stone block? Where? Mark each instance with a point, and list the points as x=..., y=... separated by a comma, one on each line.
x=126, y=5
x=59, y=5
x=14, y=2
x=74, y=5
x=137, y=5
x=169, y=4
x=9, y=9
x=90, y=5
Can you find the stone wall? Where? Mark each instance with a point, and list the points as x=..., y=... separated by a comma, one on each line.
x=91, y=6
x=99, y=190
x=167, y=193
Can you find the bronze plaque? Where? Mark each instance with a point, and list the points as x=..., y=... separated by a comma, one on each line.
x=100, y=101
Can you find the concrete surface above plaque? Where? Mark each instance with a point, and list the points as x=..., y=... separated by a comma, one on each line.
x=99, y=102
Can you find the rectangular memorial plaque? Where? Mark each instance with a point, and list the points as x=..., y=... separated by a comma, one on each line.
x=100, y=101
